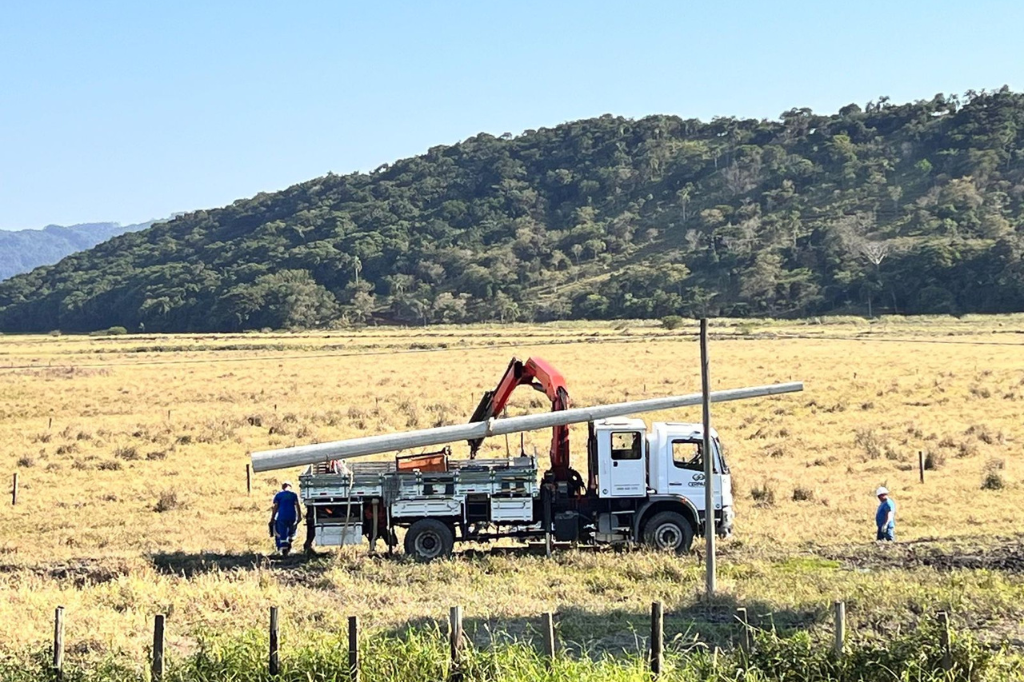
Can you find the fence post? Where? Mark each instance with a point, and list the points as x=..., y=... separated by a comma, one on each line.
x=920, y=464
x=248, y=479
x=745, y=642
x=353, y=648
x=657, y=638
x=455, y=642
x=158, y=648
x=14, y=490
x=944, y=642
x=275, y=663
x=58, y=643
x=840, y=617
x=549, y=637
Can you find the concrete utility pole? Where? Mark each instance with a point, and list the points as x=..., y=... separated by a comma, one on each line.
x=710, y=567
x=370, y=445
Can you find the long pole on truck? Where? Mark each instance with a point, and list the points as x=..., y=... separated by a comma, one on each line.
x=709, y=469
x=370, y=445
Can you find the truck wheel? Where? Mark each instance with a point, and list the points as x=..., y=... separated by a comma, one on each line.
x=668, y=532
x=429, y=539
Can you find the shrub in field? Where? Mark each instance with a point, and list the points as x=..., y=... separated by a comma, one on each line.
x=128, y=453
x=763, y=495
x=934, y=460
x=967, y=449
x=981, y=392
x=26, y=461
x=869, y=441
x=672, y=321
x=993, y=477
x=110, y=331
x=802, y=494
x=168, y=501
x=993, y=480
x=985, y=434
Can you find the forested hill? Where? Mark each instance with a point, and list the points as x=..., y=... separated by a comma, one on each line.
x=908, y=208
x=23, y=250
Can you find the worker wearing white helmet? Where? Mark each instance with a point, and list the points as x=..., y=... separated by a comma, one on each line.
x=284, y=518
x=885, y=517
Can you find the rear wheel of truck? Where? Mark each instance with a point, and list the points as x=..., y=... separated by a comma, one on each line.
x=429, y=539
x=668, y=532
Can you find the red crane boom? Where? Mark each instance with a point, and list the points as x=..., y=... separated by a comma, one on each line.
x=541, y=376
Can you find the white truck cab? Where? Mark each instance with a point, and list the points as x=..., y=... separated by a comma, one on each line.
x=663, y=465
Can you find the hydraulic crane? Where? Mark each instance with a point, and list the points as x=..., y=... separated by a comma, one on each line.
x=540, y=375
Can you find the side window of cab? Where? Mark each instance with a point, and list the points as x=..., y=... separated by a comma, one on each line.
x=626, y=445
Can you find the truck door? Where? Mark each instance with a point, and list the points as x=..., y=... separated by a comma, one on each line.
x=623, y=471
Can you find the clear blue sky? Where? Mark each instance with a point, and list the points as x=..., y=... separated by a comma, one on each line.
x=130, y=110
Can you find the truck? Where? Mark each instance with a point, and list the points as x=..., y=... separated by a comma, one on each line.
x=644, y=486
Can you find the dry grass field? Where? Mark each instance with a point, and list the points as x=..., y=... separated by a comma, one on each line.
x=131, y=454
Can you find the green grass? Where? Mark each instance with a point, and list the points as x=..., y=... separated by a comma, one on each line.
x=422, y=655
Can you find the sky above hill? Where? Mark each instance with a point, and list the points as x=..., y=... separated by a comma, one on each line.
x=124, y=111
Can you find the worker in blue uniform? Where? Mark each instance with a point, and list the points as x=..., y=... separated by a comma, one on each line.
x=285, y=518
x=885, y=517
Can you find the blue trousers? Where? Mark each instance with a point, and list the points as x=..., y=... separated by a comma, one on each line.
x=887, y=534
x=284, y=531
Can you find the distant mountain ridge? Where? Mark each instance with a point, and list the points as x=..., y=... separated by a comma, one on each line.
x=25, y=250
x=888, y=208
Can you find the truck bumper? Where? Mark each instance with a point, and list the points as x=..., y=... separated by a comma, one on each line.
x=724, y=521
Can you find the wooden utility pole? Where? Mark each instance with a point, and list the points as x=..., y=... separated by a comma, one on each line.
x=920, y=464
x=710, y=567
x=248, y=479
x=14, y=490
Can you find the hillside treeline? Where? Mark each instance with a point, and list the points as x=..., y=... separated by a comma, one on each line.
x=896, y=208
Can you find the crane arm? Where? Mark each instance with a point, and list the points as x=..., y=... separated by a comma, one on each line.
x=542, y=376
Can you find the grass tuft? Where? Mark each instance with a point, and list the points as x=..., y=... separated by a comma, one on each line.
x=168, y=501
x=763, y=495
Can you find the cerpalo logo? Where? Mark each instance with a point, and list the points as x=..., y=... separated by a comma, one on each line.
x=697, y=481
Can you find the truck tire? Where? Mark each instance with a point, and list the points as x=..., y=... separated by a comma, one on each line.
x=429, y=539
x=668, y=532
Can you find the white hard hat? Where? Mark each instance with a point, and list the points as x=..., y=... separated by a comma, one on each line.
x=881, y=491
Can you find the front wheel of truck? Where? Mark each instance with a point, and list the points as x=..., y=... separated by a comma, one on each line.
x=668, y=532
x=429, y=539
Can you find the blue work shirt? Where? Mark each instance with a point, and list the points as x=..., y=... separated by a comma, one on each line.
x=286, y=501
x=883, y=511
